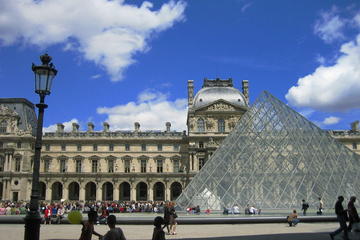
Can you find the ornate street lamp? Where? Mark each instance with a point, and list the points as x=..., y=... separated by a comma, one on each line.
x=44, y=74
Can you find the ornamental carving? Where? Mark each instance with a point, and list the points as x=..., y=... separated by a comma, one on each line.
x=5, y=111
x=220, y=107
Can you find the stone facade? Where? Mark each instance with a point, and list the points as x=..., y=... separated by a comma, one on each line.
x=122, y=165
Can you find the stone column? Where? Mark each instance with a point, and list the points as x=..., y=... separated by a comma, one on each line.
x=150, y=191
x=10, y=158
x=167, y=192
x=65, y=192
x=4, y=188
x=48, y=192
x=133, y=192
x=116, y=192
x=82, y=192
x=98, y=192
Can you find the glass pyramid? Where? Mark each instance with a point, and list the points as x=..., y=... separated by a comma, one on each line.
x=274, y=158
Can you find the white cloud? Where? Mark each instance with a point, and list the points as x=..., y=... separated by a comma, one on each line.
x=307, y=112
x=331, y=88
x=320, y=59
x=329, y=28
x=152, y=111
x=331, y=120
x=96, y=76
x=106, y=32
x=67, y=126
x=246, y=6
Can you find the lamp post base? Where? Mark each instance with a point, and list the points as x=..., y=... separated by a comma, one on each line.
x=32, y=225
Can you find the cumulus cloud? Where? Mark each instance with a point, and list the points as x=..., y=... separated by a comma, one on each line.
x=67, y=126
x=331, y=120
x=331, y=88
x=107, y=32
x=330, y=26
x=152, y=111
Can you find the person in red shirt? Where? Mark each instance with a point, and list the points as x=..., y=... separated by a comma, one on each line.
x=47, y=214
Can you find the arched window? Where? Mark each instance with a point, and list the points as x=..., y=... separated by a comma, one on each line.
x=3, y=126
x=201, y=125
x=221, y=125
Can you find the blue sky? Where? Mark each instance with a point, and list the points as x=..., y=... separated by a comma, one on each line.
x=127, y=61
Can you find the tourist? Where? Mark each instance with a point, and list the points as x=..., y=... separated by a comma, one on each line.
x=88, y=227
x=236, y=210
x=158, y=233
x=353, y=215
x=253, y=210
x=114, y=233
x=304, y=207
x=104, y=215
x=173, y=217
x=167, y=217
x=321, y=207
x=247, y=209
x=47, y=214
x=60, y=214
x=341, y=217
x=293, y=219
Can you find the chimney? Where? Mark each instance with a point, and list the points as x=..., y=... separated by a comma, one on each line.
x=355, y=126
x=75, y=127
x=168, y=126
x=137, y=126
x=106, y=127
x=60, y=128
x=190, y=92
x=245, y=90
x=90, y=127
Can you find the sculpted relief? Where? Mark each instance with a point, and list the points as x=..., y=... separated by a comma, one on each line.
x=220, y=107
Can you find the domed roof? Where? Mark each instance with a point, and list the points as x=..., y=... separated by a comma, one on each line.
x=209, y=95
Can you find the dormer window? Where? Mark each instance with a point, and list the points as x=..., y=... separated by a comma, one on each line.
x=201, y=125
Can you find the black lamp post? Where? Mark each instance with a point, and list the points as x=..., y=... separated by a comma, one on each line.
x=44, y=74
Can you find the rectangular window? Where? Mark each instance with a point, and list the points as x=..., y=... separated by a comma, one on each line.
x=111, y=147
x=62, y=165
x=201, y=144
x=46, y=165
x=17, y=164
x=143, y=166
x=176, y=147
x=176, y=164
x=110, y=166
x=201, y=162
x=18, y=144
x=63, y=147
x=95, y=147
x=78, y=147
x=94, y=166
x=127, y=147
x=221, y=125
x=143, y=147
x=1, y=144
x=127, y=166
x=354, y=146
x=2, y=163
x=47, y=147
x=78, y=166
x=159, y=166
x=159, y=146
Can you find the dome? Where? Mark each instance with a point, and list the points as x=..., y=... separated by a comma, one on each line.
x=209, y=95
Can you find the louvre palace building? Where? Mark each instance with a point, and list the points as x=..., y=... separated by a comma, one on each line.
x=136, y=164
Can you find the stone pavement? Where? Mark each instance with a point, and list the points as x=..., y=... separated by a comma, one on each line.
x=272, y=231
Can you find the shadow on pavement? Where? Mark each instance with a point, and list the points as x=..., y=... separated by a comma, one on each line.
x=284, y=236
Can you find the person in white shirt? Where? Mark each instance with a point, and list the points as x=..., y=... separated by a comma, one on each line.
x=114, y=233
x=236, y=210
x=253, y=210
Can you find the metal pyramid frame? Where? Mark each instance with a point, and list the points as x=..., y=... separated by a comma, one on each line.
x=274, y=158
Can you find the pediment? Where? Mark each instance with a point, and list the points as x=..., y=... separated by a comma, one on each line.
x=219, y=106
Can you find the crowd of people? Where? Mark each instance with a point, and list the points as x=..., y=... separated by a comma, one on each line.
x=16, y=208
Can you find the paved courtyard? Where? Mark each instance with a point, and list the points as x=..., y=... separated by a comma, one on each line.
x=278, y=231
